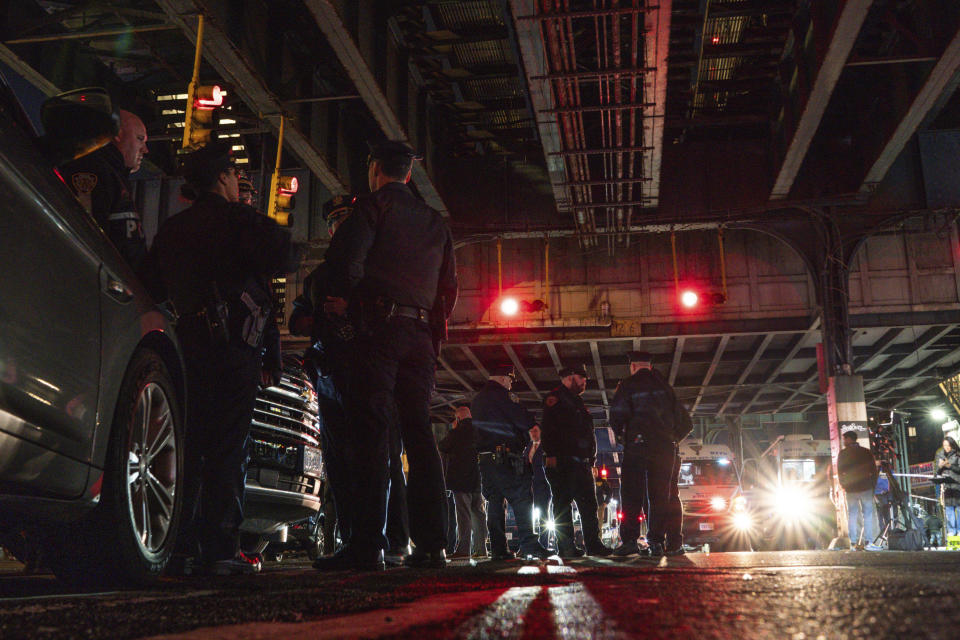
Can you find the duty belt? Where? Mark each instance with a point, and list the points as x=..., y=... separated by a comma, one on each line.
x=416, y=313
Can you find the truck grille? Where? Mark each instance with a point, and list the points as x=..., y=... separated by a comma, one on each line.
x=287, y=413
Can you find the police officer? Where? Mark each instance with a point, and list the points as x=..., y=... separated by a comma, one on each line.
x=208, y=260
x=100, y=182
x=570, y=450
x=650, y=422
x=327, y=359
x=393, y=262
x=504, y=429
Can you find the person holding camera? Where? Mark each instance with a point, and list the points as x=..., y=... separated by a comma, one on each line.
x=947, y=474
x=504, y=429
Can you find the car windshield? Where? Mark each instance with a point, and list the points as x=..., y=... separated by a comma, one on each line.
x=707, y=472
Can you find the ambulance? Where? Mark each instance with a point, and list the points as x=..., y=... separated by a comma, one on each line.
x=715, y=511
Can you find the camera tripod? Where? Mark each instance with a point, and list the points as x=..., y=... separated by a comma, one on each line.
x=901, y=506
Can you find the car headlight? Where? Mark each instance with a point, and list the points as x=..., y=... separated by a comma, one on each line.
x=717, y=503
x=739, y=504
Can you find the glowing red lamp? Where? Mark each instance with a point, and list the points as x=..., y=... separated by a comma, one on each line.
x=689, y=299
x=509, y=306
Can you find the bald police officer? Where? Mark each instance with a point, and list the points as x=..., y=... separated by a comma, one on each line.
x=393, y=262
x=570, y=451
x=100, y=180
x=650, y=421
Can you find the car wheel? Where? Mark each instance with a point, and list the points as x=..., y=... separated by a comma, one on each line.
x=129, y=537
x=312, y=542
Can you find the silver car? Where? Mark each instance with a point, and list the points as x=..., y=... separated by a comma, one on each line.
x=91, y=383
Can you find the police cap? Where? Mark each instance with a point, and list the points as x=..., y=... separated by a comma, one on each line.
x=575, y=369
x=338, y=207
x=639, y=356
x=503, y=370
x=389, y=149
x=202, y=167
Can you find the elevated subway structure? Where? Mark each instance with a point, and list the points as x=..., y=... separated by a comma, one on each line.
x=603, y=148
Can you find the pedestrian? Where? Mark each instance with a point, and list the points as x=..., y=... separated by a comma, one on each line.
x=947, y=475
x=857, y=472
x=570, y=451
x=504, y=430
x=650, y=421
x=210, y=261
x=326, y=361
x=100, y=180
x=393, y=262
x=463, y=479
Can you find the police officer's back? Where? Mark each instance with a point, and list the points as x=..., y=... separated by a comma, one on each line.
x=211, y=261
x=100, y=182
x=570, y=450
x=650, y=420
x=503, y=432
x=393, y=261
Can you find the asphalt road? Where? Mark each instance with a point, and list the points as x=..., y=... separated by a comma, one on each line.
x=798, y=595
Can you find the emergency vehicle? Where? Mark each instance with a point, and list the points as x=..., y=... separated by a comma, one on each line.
x=789, y=489
x=714, y=508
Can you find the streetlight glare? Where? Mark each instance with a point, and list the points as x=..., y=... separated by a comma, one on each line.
x=938, y=414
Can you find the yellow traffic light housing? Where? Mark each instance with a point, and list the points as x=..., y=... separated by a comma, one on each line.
x=202, y=102
x=282, y=188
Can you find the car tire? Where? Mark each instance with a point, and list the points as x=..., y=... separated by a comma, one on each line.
x=129, y=537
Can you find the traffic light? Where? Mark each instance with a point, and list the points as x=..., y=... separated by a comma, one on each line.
x=282, y=190
x=202, y=103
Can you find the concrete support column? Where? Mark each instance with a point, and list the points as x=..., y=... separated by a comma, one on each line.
x=846, y=411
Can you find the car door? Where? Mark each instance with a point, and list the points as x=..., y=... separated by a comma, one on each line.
x=49, y=312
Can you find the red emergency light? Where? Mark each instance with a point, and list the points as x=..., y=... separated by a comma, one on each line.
x=603, y=473
x=509, y=306
x=619, y=515
x=689, y=298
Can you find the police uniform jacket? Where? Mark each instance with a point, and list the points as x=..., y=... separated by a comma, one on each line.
x=215, y=241
x=646, y=411
x=460, y=448
x=99, y=180
x=499, y=420
x=396, y=247
x=567, y=428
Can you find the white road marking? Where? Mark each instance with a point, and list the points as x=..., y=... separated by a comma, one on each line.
x=555, y=569
x=578, y=615
x=503, y=619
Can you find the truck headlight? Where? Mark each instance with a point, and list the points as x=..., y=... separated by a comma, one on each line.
x=792, y=503
x=717, y=503
x=739, y=504
x=742, y=521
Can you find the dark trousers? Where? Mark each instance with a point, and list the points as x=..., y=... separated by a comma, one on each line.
x=633, y=496
x=573, y=481
x=392, y=378
x=222, y=389
x=398, y=517
x=663, y=496
x=338, y=461
x=500, y=482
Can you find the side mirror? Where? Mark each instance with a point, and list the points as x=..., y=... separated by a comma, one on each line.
x=78, y=122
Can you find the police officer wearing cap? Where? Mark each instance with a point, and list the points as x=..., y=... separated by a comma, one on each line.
x=570, y=450
x=504, y=430
x=393, y=262
x=650, y=421
x=208, y=260
x=100, y=180
x=329, y=355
